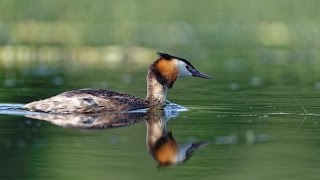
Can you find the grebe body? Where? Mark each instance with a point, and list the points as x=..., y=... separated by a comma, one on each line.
x=88, y=101
x=161, y=76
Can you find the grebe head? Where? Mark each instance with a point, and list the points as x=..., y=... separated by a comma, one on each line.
x=163, y=73
x=168, y=68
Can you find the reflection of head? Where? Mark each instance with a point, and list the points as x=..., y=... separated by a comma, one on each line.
x=162, y=145
x=165, y=149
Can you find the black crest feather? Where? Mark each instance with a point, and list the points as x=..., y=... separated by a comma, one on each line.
x=167, y=136
x=165, y=55
x=168, y=57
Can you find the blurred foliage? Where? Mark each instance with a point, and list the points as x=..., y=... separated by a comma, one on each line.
x=180, y=23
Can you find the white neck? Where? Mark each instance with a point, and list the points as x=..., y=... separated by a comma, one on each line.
x=156, y=128
x=156, y=92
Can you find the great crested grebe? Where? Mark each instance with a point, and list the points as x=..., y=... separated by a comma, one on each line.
x=161, y=76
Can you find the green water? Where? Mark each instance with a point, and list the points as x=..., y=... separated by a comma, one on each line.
x=256, y=131
x=260, y=112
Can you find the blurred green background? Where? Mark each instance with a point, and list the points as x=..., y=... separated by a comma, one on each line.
x=261, y=54
x=245, y=38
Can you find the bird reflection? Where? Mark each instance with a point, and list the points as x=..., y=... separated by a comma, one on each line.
x=91, y=121
x=162, y=145
x=160, y=142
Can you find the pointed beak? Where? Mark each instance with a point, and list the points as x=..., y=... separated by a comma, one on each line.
x=196, y=146
x=197, y=73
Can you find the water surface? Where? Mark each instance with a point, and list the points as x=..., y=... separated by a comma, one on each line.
x=255, y=132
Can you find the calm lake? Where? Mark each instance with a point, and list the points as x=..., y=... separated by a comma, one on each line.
x=260, y=119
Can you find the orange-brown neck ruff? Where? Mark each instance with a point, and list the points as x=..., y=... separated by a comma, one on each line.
x=165, y=150
x=166, y=71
